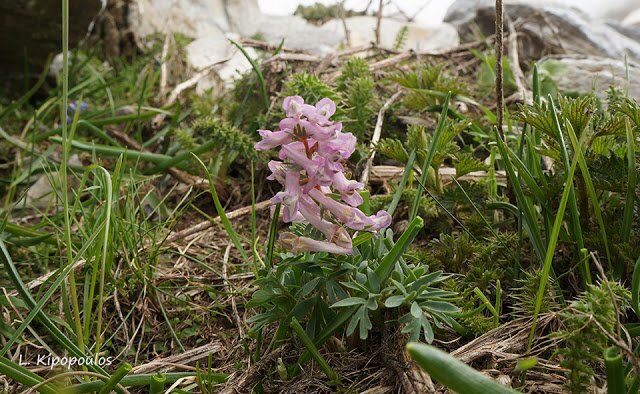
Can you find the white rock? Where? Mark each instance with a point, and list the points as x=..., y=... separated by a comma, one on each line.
x=576, y=31
x=596, y=9
x=633, y=19
x=227, y=61
x=296, y=32
x=591, y=74
x=419, y=38
x=193, y=18
x=41, y=193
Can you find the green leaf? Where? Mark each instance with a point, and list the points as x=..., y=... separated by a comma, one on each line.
x=386, y=265
x=453, y=373
x=441, y=306
x=615, y=371
x=394, y=301
x=351, y=301
x=431, y=153
x=416, y=311
x=295, y=325
x=635, y=289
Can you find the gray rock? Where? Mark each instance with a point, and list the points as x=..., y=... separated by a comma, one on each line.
x=569, y=29
x=193, y=18
x=632, y=31
x=226, y=61
x=296, y=32
x=463, y=11
x=610, y=9
x=210, y=19
x=41, y=194
x=633, y=19
x=580, y=74
x=419, y=38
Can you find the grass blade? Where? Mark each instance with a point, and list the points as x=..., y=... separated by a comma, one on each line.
x=113, y=151
x=575, y=226
x=635, y=289
x=117, y=376
x=403, y=183
x=453, y=373
x=551, y=248
x=256, y=69
x=53, y=329
x=23, y=376
x=432, y=151
x=129, y=381
x=631, y=184
x=615, y=371
x=591, y=191
x=311, y=348
x=235, y=238
x=524, y=204
x=273, y=230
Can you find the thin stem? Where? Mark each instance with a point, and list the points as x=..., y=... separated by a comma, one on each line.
x=63, y=170
x=499, y=74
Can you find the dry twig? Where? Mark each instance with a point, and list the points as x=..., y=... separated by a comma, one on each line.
x=376, y=136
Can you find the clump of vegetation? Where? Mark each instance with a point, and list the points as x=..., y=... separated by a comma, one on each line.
x=319, y=13
x=588, y=323
x=134, y=229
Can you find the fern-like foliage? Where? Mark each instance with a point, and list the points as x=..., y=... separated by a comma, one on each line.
x=310, y=88
x=360, y=111
x=185, y=139
x=627, y=107
x=392, y=149
x=417, y=137
x=578, y=111
x=539, y=117
x=426, y=86
x=353, y=69
x=585, y=341
x=401, y=38
x=228, y=138
x=466, y=163
x=524, y=295
x=610, y=124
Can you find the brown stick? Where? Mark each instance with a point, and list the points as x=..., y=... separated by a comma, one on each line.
x=378, y=22
x=376, y=136
x=347, y=34
x=174, y=236
x=177, y=174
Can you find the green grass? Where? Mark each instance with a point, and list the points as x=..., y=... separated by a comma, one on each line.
x=123, y=285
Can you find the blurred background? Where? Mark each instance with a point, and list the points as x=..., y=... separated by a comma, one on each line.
x=432, y=12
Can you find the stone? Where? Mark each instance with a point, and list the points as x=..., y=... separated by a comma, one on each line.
x=596, y=9
x=41, y=193
x=296, y=32
x=212, y=18
x=226, y=61
x=581, y=74
x=193, y=18
x=568, y=29
x=633, y=19
x=419, y=38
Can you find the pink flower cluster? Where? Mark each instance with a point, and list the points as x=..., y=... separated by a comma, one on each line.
x=311, y=168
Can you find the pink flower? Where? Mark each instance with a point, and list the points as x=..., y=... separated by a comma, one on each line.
x=313, y=152
x=348, y=189
x=304, y=244
x=272, y=139
x=292, y=106
x=325, y=108
x=278, y=171
x=290, y=196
